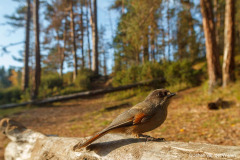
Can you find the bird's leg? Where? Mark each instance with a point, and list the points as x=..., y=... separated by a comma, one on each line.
x=149, y=138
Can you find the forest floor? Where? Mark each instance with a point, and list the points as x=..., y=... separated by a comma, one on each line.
x=188, y=119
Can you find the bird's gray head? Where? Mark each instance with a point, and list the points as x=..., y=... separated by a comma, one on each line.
x=160, y=96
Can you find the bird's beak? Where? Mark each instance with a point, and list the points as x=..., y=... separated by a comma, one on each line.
x=171, y=95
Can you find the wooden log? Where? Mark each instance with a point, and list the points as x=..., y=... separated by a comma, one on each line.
x=36, y=146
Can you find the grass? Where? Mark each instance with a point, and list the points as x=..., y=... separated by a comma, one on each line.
x=11, y=111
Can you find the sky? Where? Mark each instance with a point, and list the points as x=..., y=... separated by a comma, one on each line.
x=9, y=35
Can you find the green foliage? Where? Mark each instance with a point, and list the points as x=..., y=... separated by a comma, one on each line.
x=151, y=71
x=138, y=73
x=26, y=95
x=68, y=78
x=4, y=81
x=10, y=95
x=69, y=90
x=83, y=79
x=51, y=81
x=51, y=84
x=180, y=72
x=135, y=94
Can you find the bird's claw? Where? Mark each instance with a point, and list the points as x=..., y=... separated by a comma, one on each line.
x=155, y=139
x=149, y=138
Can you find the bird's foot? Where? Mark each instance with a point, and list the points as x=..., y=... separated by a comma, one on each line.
x=149, y=138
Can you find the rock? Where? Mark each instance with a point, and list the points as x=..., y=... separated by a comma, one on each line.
x=39, y=147
x=219, y=104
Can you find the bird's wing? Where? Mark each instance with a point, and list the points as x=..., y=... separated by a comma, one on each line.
x=134, y=116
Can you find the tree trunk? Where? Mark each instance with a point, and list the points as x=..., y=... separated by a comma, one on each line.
x=168, y=30
x=73, y=35
x=104, y=63
x=94, y=36
x=37, y=76
x=193, y=40
x=82, y=34
x=88, y=38
x=229, y=40
x=25, y=75
x=152, y=48
x=59, y=51
x=145, y=48
x=212, y=55
x=64, y=47
x=122, y=6
x=217, y=19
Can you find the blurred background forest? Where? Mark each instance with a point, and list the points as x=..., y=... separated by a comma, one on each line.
x=182, y=41
x=191, y=47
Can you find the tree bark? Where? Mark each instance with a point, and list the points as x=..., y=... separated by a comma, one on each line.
x=212, y=54
x=93, y=22
x=229, y=43
x=25, y=75
x=88, y=38
x=73, y=35
x=37, y=76
x=217, y=19
x=82, y=34
x=145, y=48
x=104, y=63
x=168, y=30
x=64, y=47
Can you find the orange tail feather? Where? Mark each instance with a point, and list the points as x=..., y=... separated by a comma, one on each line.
x=92, y=139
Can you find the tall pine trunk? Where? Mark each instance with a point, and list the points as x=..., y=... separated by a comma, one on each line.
x=145, y=48
x=25, y=75
x=37, y=76
x=74, y=48
x=214, y=70
x=64, y=48
x=88, y=38
x=82, y=34
x=93, y=22
x=229, y=42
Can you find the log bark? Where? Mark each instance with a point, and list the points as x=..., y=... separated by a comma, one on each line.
x=229, y=43
x=214, y=70
x=28, y=144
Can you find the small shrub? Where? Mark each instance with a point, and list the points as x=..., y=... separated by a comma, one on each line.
x=180, y=72
x=68, y=78
x=151, y=71
x=51, y=84
x=52, y=81
x=135, y=74
x=10, y=95
x=83, y=79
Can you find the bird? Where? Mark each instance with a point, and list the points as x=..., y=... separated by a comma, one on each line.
x=143, y=117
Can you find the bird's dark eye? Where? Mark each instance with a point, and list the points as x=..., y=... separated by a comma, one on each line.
x=161, y=94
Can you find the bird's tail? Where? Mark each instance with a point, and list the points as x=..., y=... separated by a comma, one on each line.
x=92, y=139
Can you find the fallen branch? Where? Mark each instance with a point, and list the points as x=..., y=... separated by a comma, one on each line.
x=81, y=94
